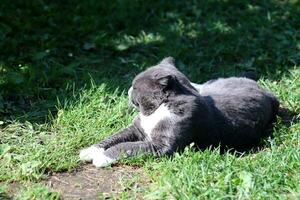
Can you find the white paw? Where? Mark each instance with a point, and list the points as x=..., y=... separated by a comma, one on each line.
x=90, y=153
x=102, y=160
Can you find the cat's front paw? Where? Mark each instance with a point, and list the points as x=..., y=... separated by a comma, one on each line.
x=101, y=160
x=90, y=153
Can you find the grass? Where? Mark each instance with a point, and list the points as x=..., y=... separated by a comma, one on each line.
x=65, y=68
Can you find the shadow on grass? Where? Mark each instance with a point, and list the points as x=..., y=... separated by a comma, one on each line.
x=50, y=50
x=287, y=116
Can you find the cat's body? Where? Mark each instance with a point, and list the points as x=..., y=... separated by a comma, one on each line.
x=232, y=113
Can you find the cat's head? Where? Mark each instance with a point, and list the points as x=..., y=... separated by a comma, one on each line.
x=155, y=85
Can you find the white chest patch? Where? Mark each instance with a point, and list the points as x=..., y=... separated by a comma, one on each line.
x=148, y=123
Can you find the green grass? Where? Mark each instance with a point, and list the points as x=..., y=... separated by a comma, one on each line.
x=37, y=192
x=50, y=108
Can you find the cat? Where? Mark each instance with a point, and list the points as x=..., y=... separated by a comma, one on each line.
x=232, y=113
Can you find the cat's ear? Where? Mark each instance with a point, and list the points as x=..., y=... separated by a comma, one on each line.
x=168, y=61
x=165, y=81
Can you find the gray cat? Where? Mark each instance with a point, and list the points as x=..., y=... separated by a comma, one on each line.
x=232, y=113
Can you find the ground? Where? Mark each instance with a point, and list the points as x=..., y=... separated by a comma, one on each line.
x=65, y=68
x=91, y=183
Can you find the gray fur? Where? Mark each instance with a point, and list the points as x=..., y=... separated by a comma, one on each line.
x=230, y=112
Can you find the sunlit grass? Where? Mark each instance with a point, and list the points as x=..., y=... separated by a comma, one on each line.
x=49, y=108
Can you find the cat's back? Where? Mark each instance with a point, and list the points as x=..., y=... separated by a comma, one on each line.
x=234, y=94
x=241, y=101
x=237, y=93
x=235, y=90
x=232, y=85
x=243, y=108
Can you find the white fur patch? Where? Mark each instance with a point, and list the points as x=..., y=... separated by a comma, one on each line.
x=96, y=155
x=89, y=153
x=129, y=92
x=102, y=160
x=148, y=123
x=197, y=86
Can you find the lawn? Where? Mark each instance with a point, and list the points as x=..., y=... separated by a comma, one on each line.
x=65, y=68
